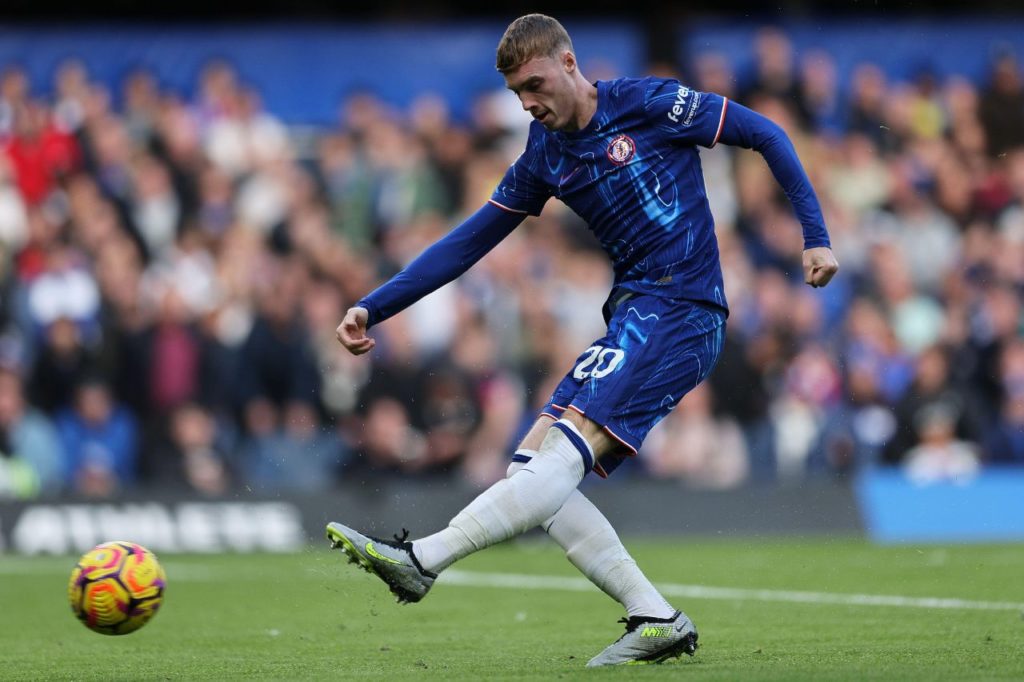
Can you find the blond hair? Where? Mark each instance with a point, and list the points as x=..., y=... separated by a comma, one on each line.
x=529, y=36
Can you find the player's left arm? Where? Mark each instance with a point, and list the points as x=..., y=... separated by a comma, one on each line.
x=742, y=127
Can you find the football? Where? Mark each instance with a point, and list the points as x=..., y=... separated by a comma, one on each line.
x=116, y=588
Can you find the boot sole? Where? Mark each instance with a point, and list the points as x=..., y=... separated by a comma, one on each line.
x=687, y=645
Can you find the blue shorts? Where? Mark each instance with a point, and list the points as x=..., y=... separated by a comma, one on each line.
x=655, y=351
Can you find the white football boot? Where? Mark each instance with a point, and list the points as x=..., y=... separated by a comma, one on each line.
x=650, y=640
x=390, y=560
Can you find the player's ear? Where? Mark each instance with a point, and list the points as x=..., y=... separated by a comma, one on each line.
x=568, y=61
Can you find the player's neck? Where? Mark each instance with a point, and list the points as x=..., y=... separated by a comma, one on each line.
x=586, y=103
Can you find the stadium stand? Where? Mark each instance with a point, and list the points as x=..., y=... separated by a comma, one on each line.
x=177, y=250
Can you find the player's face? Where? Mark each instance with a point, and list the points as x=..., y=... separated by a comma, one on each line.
x=545, y=87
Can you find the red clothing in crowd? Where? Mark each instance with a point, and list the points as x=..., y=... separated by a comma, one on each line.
x=38, y=162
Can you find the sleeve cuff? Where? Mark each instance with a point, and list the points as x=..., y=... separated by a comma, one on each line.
x=508, y=209
x=721, y=122
x=373, y=314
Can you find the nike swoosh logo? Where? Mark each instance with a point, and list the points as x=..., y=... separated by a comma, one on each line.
x=566, y=178
x=377, y=555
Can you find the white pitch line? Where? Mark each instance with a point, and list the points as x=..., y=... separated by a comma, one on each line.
x=523, y=581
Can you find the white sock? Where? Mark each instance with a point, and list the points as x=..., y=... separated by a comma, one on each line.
x=593, y=546
x=513, y=505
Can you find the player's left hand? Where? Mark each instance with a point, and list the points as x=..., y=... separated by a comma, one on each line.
x=819, y=266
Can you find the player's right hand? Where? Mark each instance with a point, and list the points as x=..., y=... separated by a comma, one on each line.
x=352, y=331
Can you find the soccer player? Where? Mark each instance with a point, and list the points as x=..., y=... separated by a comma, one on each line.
x=623, y=155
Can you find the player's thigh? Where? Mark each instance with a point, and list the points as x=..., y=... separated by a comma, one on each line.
x=535, y=436
x=591, y=431
x=655, y=351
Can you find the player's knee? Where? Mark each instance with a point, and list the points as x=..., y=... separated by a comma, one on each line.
x=565, y=443
x=592, y=433
x=520, y=459
x=535, y=436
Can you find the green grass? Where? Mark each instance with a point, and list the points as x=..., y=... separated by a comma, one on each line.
x=310, y=616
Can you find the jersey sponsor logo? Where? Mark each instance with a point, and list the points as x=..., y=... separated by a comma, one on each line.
x=681, y=105
x=692, y=111
x=621, y=149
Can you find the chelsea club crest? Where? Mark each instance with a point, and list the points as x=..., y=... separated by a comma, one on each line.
x=620, y=150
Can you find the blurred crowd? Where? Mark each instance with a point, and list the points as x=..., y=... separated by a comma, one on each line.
x=172, y=271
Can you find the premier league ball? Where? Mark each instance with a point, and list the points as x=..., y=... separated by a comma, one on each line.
x=116, y=588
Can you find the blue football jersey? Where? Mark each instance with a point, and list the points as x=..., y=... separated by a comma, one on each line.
x=634, y=175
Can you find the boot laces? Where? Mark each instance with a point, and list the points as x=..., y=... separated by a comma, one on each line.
x=631, y=623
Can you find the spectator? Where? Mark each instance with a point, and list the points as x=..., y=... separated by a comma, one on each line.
x=809, y=387
x=939, y=455
x=856, y=431
x=1002, y=106
x=300, y=455
x=13, y=213
x=39, y=152
x=867, y=104
x=31, y=460
x=740, y=388
x=65, y=288
x=932, y=390
x=277, y=358
x=10, y=300
x=819, y=91
x=100, y=441
x=495, y=404
x=775, y=74
x=62, y=363
x=14, y=92
x=388, y=442
x=696, y=447
x=156, y=209
x=1004, y=443
x=194, y=458
x=174, y=353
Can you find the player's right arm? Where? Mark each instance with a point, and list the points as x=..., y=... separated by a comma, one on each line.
x=442, y=262
x=518, y=195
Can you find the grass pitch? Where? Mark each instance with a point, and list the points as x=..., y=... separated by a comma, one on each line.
x=312, y=616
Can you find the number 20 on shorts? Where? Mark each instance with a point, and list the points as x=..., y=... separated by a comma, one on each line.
x=598, y=362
